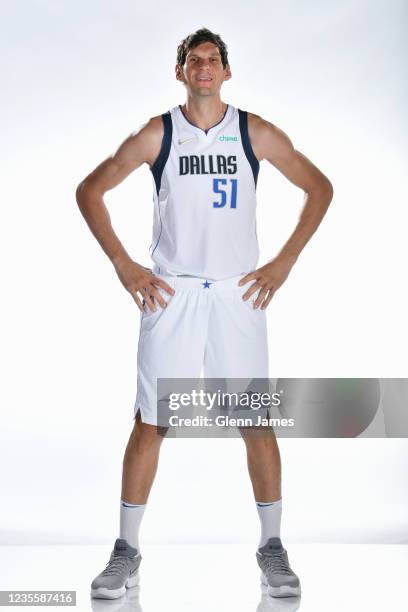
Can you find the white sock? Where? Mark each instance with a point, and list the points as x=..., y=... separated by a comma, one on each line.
x=130, y=518
x=270, y=515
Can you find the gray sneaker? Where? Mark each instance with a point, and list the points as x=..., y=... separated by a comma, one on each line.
x=121, y=572
x=277, y=574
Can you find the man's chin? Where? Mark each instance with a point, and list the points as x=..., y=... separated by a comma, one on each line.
x=203, y=91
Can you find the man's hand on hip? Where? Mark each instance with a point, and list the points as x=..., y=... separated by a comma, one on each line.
x=267, y=279
x=138, y=279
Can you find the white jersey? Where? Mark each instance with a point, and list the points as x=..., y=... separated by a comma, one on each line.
x=205, y=198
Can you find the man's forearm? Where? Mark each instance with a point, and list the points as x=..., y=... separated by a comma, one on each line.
x=316, y=205
x=95, y=213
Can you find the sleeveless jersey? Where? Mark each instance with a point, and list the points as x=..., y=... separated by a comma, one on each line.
x=204, y=198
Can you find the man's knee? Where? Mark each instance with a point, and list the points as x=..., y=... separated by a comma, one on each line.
x=146, y=435
x=258, y=437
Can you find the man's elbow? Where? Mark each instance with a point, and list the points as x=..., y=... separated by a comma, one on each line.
x=330, y=193
x=80, y=192
x=329, y=188
x=84, y=192
x=325, y=188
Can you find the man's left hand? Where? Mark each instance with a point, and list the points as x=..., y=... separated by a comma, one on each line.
x=268, y=279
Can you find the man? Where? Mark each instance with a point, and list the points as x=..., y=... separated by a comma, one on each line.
x=204, y=157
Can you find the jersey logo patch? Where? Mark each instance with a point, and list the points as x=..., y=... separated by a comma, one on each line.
x=225, y=138
x=186, y=140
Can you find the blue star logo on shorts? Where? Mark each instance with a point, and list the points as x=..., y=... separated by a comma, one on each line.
x=206, y=285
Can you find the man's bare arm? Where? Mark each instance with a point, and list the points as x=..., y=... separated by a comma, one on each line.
x=271, y=143
x=142, y=146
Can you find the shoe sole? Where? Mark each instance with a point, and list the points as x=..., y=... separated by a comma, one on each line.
x=104, y=593
x=282, y=591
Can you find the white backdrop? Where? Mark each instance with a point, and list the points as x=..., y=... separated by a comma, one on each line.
x=77, y=79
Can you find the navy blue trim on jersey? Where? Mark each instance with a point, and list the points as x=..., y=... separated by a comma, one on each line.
x=158, y=166
x=246, y=144
x=196, y=126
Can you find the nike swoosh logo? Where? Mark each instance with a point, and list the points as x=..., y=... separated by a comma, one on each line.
x=186, y=140
x=133, y=571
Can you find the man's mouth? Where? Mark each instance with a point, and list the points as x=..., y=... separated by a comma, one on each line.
x=204, y=79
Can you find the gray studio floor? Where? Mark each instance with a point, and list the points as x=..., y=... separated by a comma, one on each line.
x=218, y=578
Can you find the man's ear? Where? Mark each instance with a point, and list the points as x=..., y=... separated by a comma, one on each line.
x=179, y=73
x=227, y=73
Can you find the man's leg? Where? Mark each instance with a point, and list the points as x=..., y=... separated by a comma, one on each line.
x=264, y=467
x=139, y=469
x=237, y=348
x=264, y=463
x=140, y=461
x=171, y=345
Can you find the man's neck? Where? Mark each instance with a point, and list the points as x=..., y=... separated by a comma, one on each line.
x=204, y=112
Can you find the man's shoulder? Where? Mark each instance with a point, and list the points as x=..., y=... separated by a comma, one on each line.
x=258, y=124
x=144, y=142
x=261, y=129
x=153, y=127
x=264, y=135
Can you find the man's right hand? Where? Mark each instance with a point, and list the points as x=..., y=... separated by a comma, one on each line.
x=136, y=278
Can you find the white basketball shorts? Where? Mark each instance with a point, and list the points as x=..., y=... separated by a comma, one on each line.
x=206, y=326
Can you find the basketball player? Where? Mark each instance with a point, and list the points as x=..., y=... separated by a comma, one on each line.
x=204, y=301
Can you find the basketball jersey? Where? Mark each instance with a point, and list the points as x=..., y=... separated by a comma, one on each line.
x=204, y=198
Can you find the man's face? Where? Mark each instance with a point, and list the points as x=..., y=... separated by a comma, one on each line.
x=203, y=72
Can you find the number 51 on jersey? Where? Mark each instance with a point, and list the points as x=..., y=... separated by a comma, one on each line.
x=230, y=191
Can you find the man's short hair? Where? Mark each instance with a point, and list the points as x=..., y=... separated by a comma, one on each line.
x=196, y=38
